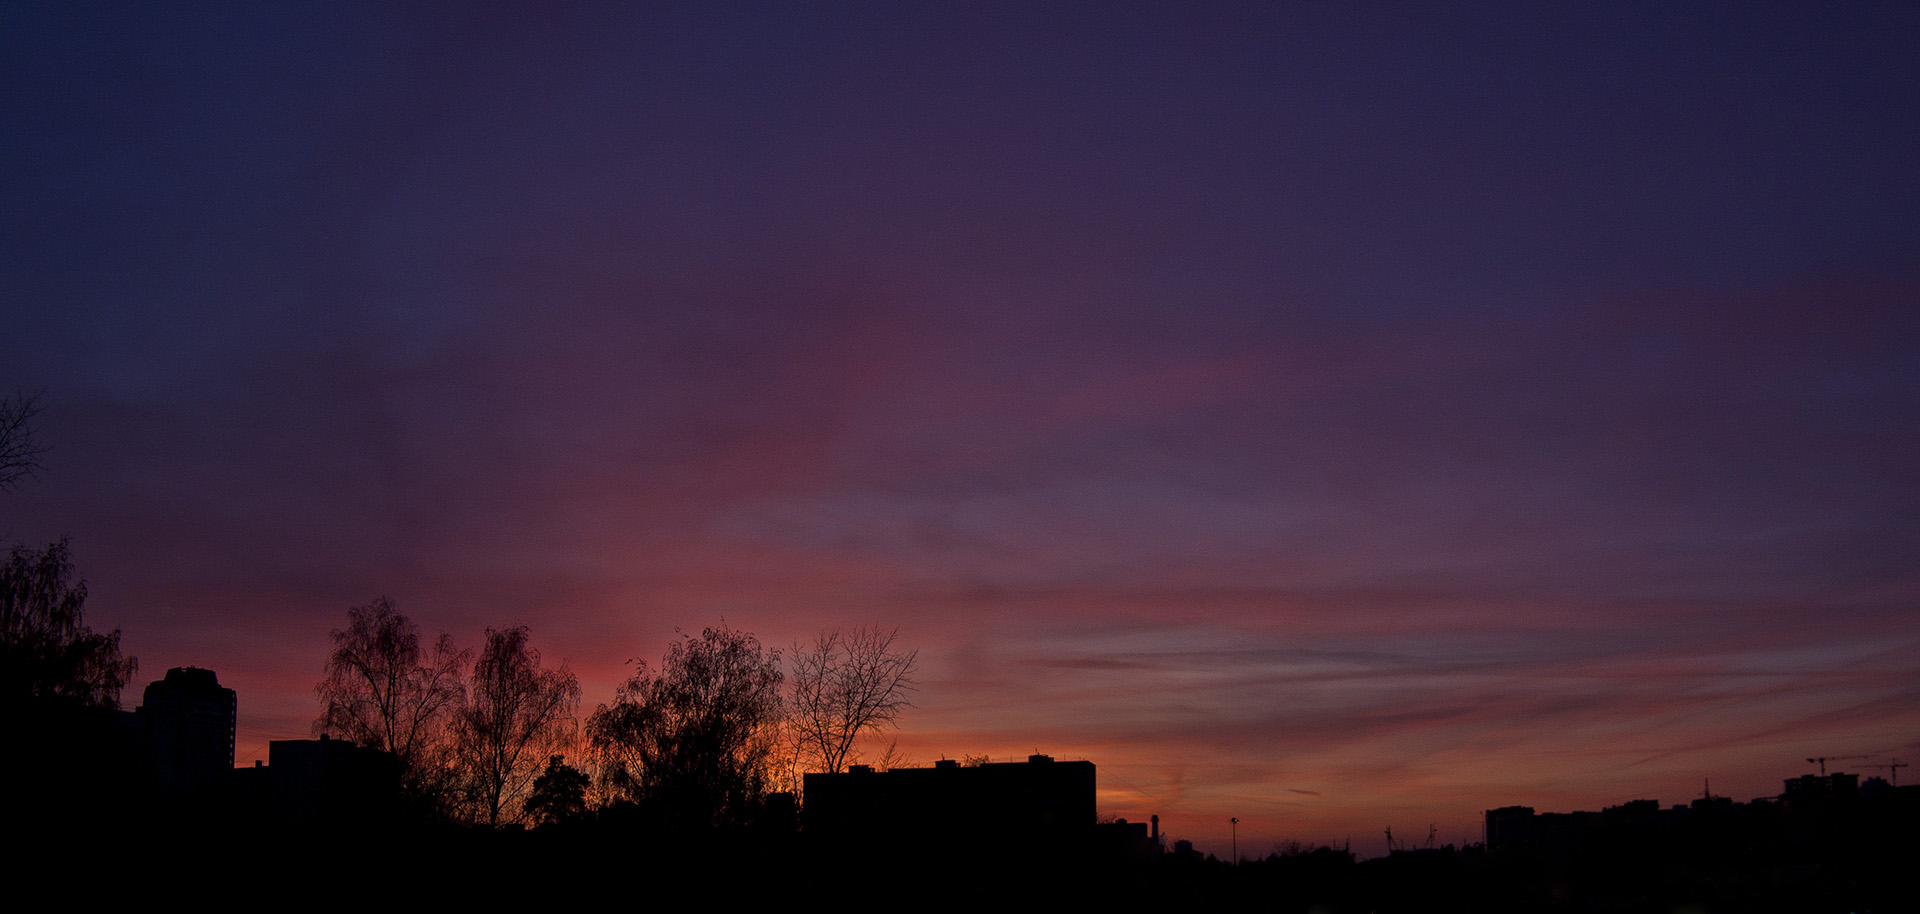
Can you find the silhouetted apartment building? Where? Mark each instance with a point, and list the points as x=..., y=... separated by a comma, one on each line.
x=1039, y=799
x=321, y=783
x=1827, y=842
x=1820, y=792
x=1815, y=810
x=1512, y=826
x=187, y=722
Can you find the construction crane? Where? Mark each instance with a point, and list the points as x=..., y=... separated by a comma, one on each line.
x=1893, y=766
x=1824, y=759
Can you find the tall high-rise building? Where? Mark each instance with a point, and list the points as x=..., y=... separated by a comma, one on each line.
x=188, y=722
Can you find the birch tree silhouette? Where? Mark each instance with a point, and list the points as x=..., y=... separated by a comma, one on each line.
x=517, y=713
x=384, y=691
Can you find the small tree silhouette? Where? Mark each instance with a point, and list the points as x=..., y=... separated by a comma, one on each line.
x=559, y=793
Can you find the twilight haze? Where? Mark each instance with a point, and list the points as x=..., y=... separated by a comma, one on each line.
x=1335, y=418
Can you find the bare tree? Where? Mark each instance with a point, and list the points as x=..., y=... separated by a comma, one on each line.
x=384, y=691
x=47, y=652
x=20, y=450
x=696, y=738
x=848, y=684
x=517, y=715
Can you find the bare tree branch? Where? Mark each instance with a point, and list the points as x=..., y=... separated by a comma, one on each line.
x=849, y=683
x=20, y=450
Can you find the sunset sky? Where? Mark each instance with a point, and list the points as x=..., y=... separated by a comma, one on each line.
x=1335, y=416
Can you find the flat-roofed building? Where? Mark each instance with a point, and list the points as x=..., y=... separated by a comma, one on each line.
x=1037, y=799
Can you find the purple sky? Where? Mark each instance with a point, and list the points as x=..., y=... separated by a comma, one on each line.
x=1337, y=418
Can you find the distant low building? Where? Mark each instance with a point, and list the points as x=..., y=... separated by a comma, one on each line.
x=1812, y=811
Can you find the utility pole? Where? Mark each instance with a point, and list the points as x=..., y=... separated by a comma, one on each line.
x=1235, y=821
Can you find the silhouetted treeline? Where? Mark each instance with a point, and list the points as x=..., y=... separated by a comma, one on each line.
x=676, y=784
x=1734, y=857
